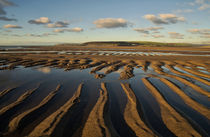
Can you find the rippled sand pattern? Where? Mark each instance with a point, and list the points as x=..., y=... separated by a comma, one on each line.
x=76, y=96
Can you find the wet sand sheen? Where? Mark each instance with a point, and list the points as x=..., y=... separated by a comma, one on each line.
x=99, y=118
x=194, y=72
x=131, y=114
x=198, y=107
x=118, y=101
x=149, y=108
x=13, y=94
x=122, y=110
x=197, y=88
x=187, y=75
x=173, y=120
x=198, y=121
x=6, y=91
x=194, y=95
x=19, y=120
x=46, y=127
x=18, y=101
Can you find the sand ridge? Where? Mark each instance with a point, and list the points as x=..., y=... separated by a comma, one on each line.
x=132, y=117
x=15, y=122
x=96, y=124
x=173, y=120
x=46, y=127
x=102, y=67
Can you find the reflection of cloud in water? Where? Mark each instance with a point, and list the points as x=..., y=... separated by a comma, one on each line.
x=105, y=69
x=44, y=70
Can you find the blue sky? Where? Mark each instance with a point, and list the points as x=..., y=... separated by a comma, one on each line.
x=34, y=22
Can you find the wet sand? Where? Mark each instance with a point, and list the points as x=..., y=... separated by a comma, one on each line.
x=88, y=93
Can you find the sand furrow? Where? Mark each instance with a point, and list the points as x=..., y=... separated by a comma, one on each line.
x=98, y=123
x=48, y=125
x=15, y=122
x=198, y=107
x=131, y=115
x=172, y=119
x=184, y=81
x=20, y=100
x=187, y=75
x=6, y=91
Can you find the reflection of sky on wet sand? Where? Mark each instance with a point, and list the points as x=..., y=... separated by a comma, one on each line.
x=45, y=70
x=107, y=53
x=106, y=68
x=49, y=77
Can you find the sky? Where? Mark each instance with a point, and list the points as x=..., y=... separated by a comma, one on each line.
x=46, y=22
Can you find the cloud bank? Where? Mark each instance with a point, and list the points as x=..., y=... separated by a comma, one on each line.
x=111, y=23
x=204, y=33
x=41, y=20
x=77, y=29
x=184, y=11
x=175, y=35
x=202, y=4
x=58, y=24
x=164, y=19
x=39, y=35
x=12, y=26
x=148, y=30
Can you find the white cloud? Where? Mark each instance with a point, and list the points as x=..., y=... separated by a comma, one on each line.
x=58, y=24
x=171, y=18
x=77, y=29
x=41, y=20
x=12, y=26
x=33, y=35
x=141, y=30
x=39, y=35
x=148, y=30
x=184, y=11
x=202, y=4
x=164, y=18
x=204, y=33
x=199, y=31
x=155, y=19
x=154, y=28
x=175, y=35
x=111, y=23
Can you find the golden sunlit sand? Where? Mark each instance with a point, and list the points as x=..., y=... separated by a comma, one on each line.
x=77, y=93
